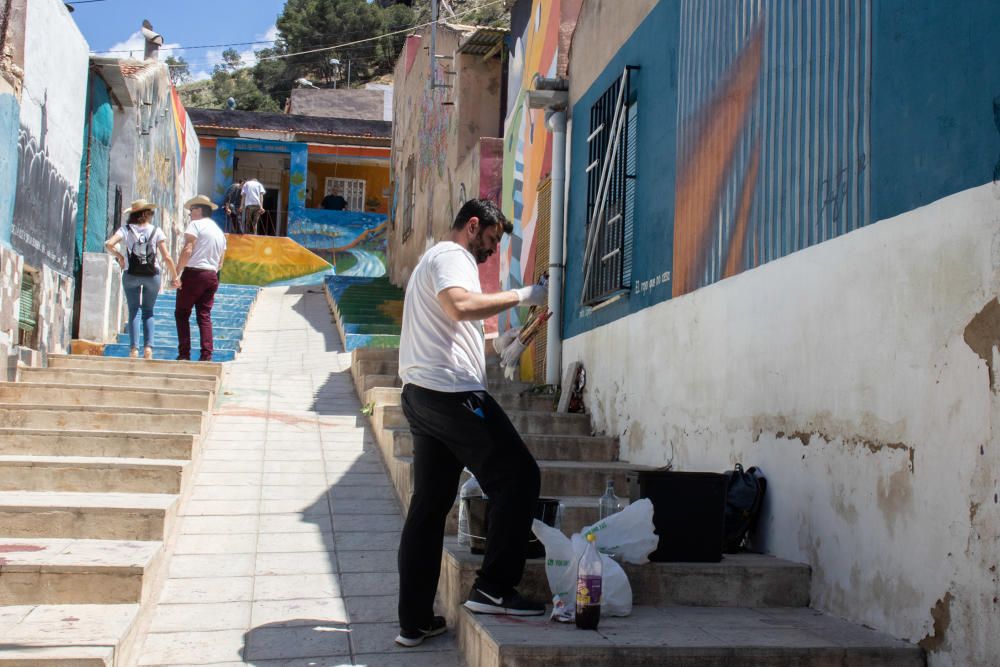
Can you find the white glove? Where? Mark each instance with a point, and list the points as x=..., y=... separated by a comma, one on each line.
x=501, y=342
x=532, y=295
x=511, y=357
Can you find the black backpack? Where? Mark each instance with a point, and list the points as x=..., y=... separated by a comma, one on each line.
x=744, y=494
x=142, y=253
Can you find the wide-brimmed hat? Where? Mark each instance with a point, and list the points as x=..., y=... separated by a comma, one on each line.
x=200, y=200
x=139, y=205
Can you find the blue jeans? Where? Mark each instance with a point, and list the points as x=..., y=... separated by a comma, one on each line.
x=140, y=293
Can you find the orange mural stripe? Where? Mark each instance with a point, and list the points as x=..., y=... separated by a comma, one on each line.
x=701, y=178
x=734, y=256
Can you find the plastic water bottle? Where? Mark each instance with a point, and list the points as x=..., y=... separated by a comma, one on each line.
x=609, y=501
x=589, y=582
x=470, y=489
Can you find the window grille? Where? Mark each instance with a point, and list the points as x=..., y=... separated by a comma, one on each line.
x=611, y=176
x=351, y=189
x=27, y=317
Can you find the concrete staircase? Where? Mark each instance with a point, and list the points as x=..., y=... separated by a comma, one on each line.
x=368, y=311
x=95, y=455
x=233, y=304
x=748, y=610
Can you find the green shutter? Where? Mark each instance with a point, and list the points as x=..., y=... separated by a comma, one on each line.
x=27, y=319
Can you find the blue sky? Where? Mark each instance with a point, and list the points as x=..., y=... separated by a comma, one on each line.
x=114, y=25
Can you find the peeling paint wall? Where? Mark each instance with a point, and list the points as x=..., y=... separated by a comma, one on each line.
x=871, y=410
x=438, y=132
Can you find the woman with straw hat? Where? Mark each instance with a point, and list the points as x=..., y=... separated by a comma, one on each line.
x=140, y=239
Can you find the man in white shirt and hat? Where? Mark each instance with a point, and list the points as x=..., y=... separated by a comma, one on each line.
x=253, y=204
x=198, y=271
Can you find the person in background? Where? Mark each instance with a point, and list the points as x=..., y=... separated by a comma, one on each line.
x=141, y=278
x=335, y=200
x=252, y=204
x=456, y=423
x=199, y=265
x=231, y=205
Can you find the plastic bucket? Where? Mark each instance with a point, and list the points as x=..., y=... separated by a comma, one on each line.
x=477, y=508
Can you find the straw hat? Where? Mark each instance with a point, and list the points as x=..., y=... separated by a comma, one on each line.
x=200, y=200
x=139, y=205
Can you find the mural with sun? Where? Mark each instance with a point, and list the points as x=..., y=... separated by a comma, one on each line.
x=268, y=260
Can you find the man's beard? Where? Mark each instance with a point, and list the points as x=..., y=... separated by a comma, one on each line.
x=479, y=249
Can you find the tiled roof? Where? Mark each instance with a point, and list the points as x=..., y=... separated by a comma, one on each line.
x=280, y=122
x=338, y=103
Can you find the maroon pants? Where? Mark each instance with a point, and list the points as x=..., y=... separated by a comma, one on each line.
x=197, y=291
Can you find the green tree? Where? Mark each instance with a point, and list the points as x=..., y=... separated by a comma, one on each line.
x=179, y=70
x=311, y=24
x=394, y=18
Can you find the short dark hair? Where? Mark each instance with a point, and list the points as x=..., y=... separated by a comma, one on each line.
x=206, y=211
x=135, y=216
x=486, y=211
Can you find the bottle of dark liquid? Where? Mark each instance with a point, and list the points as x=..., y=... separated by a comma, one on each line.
x=589, y=582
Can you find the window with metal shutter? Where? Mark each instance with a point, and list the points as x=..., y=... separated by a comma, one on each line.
x=27, y=318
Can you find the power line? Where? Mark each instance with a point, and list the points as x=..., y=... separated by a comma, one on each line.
x=388, y=34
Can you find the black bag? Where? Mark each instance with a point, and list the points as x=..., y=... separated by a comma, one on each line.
x=744, y=496
x=142, y=253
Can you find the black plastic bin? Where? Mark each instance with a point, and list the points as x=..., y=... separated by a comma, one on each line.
x=546, y=511
x=688, y=513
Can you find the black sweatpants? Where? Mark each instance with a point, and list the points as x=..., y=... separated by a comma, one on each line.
x=447, y=435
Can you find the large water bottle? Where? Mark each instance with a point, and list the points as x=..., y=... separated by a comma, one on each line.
x=470, y=489
x=589, y=582
x=609, y=501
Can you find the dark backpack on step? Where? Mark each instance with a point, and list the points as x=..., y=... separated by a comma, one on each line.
x=744, y=496
x=141, y=253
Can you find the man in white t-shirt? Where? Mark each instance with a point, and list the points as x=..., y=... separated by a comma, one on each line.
x=253, y=201
x=198, y=271
x=455, y=423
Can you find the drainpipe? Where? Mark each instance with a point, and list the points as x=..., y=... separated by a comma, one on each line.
x=556, y=122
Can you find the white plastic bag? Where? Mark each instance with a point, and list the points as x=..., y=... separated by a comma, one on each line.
x=628, y=534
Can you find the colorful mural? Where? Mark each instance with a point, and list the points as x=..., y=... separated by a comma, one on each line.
x=267, y=260
x=353, y=242
x=527, y=144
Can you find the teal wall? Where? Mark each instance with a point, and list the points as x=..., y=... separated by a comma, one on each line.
x=94, y=195
x=10, y=113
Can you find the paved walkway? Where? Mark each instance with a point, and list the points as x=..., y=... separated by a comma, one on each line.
x=287, y=546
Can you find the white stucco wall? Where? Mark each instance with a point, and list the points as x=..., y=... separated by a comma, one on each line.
x=56, y=59
x=845, y=371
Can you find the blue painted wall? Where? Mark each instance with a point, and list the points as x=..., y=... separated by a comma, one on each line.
x=935, y=75
x=10, y=114
x=852, y=113
x=298, y=164
x=653, y=47
x=93, y=194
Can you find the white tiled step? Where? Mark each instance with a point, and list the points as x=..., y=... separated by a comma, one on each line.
x=86, y=362
x=70, y=635
x=90, y=474
x=157, y=420
x=103, y=396
x=109, y=516
x=119, y=378
x=685, y=636
x=64, y=571
x=62, y=442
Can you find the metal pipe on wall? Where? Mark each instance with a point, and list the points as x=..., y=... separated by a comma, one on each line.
x=556, y=122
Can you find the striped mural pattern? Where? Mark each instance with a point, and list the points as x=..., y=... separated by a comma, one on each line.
x=791, y=170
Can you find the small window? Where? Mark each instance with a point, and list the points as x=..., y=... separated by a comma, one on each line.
x=611, y=182
x=27, y=315
x=351, y=189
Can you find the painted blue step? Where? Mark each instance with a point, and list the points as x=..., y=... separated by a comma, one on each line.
x=116, y=350
x=170, y=340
